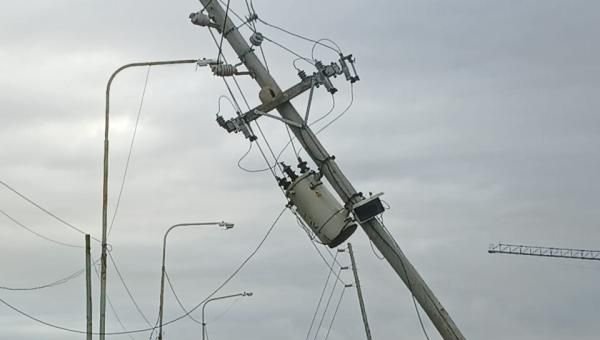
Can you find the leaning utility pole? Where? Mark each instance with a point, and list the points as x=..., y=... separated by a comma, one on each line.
x=361, y=302
x=328, y=167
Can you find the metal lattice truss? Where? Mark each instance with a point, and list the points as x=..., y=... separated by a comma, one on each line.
x=581, y=254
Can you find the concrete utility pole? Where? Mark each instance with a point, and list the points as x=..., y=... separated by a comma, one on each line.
x=375, y=231
x=88, y=286
x=361, y=302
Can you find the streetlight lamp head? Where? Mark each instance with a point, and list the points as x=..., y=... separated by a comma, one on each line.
x=247, y=294
x=226, y=225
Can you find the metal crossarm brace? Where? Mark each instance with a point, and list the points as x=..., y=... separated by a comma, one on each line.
x=346, y=191
x=262, y=110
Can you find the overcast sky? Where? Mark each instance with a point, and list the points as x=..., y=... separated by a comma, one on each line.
x=478, y=119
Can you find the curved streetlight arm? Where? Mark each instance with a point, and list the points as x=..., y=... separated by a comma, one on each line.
x=224, y=224
x=218, y=298
x=105, y=179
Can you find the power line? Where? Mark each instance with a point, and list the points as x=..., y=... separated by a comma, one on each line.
x=337, y=307
x=288, y=143
x=303, y=37
x=223, y=32
x=327, y=304
x=20, y=224
x=225, y=282
x=48, y=285
x=137, y=121
x=312, y=322
x=30, y=201
x=230, y=277
x=179, y=300
x=137, y=307
x=248, y=105
x=340, y=114
x=414, y=300
x=111, y=306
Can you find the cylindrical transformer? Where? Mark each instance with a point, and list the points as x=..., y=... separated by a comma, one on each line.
x=319, y=209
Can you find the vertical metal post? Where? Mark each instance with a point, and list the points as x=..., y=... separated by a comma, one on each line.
x=105, y=179
x=88, y=286
x=361, y=302
x=329, y=168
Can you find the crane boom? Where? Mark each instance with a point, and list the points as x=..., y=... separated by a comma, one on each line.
x=569, y=253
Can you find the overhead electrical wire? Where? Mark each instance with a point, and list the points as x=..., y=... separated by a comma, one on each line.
x=318, y=43
x=230, y=277
x=330, y=267
x=312, y=322
x=341, y=113
x=223, y=32
x=112, y=307
x=225, y=282
x=179, y=302
x=248, y=105
x=137, y=307
x=327, y=304
x=414, y=300
x=30, y=201
x=66, y=279
x=47, y=285
x=337, y=307
x=251, y=13
x=20, y=224
x=129, y=153
x=303, y=37
x=289, y=143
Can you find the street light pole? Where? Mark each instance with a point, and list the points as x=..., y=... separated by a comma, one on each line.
x=218, y=298
x=226, y=225
x=199, y=62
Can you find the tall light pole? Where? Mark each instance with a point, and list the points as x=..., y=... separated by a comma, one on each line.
x=225, y=225
x=218, y=298
x=199, y=62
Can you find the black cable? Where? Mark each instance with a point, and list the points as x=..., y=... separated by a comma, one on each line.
x=312, y=322
x=137, y=121
x=327, y=304
x=318, y=42
x=289, y=50
x=179, y=300
x=287, y=128
x=48, y=285
x=341, y=113
x=30, y=201
x=289, y=143
x=302, y=37
x=410, y=287
x=20, y=224
x=137, y=307
x=248, y=105
x=71, y=330
x=337, y=307
x=379, y=257
x=232, y=275
x=112, y=307
x=223, y=32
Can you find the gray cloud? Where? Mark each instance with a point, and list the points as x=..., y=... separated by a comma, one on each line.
x=477, y=119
